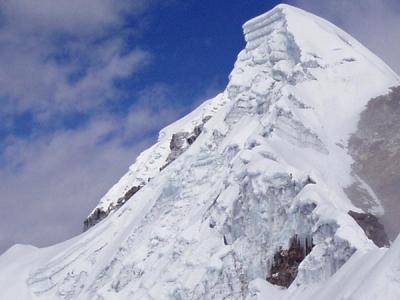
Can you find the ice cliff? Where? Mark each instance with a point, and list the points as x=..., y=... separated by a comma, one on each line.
x=244, y=198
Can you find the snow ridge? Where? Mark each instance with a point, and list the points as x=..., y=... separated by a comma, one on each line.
x=268, y=166
x=153, y=160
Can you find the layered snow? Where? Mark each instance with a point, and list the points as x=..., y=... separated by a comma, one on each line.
x=270, y=164
x=153, y=160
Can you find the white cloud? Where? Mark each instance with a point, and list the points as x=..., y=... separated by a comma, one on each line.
x=152, y=108
x=73, y=16
x=43, y=43
x=55, y=182
x=375, y=23
x=51, y=183
x=51, y=180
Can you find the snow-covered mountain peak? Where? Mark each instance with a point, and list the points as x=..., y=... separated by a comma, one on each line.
x=285, y=48
x=242, y=198
x=316, y=38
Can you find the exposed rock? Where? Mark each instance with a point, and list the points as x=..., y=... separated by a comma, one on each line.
x=375, y=148
x=181, y=141
x=372, y=228
x=178, y=145
x=132, y=191
x=99, y=214
x=94, y=218
x=286, y=262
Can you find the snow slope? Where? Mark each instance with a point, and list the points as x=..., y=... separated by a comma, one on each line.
x=234, y=183
x=153, y=160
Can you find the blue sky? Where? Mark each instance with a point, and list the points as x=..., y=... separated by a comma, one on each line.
x=85, y=85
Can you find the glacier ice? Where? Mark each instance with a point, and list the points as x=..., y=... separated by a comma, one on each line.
x=231, y=184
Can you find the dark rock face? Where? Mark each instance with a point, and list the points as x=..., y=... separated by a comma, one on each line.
x=94, y=218
x=181, y=141
x=99, y=214
x=177, y=145
x=286, y=263
x=128, y=195
x=372, y=228
x=375, y=148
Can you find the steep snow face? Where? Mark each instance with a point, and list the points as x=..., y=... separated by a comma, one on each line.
x=267, y=165
x=172, y=141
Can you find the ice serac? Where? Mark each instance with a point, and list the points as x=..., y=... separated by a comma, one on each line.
x=245, y=196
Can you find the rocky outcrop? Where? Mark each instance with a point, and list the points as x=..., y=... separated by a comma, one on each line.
x=181, y=141
x=94, y=218
x=286, y=263
x=99, y=214
x=372, y=228
x=375, y=148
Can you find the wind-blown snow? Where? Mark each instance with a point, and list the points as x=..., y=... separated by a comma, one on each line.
x=269, y=164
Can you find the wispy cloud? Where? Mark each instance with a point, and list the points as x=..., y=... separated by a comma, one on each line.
x=51, y=182
x=375, y=23
x=59, y=56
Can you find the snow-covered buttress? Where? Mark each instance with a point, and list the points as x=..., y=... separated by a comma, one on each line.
x=252, y=176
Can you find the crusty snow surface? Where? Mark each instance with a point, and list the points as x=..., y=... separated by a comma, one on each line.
x=270, y=164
